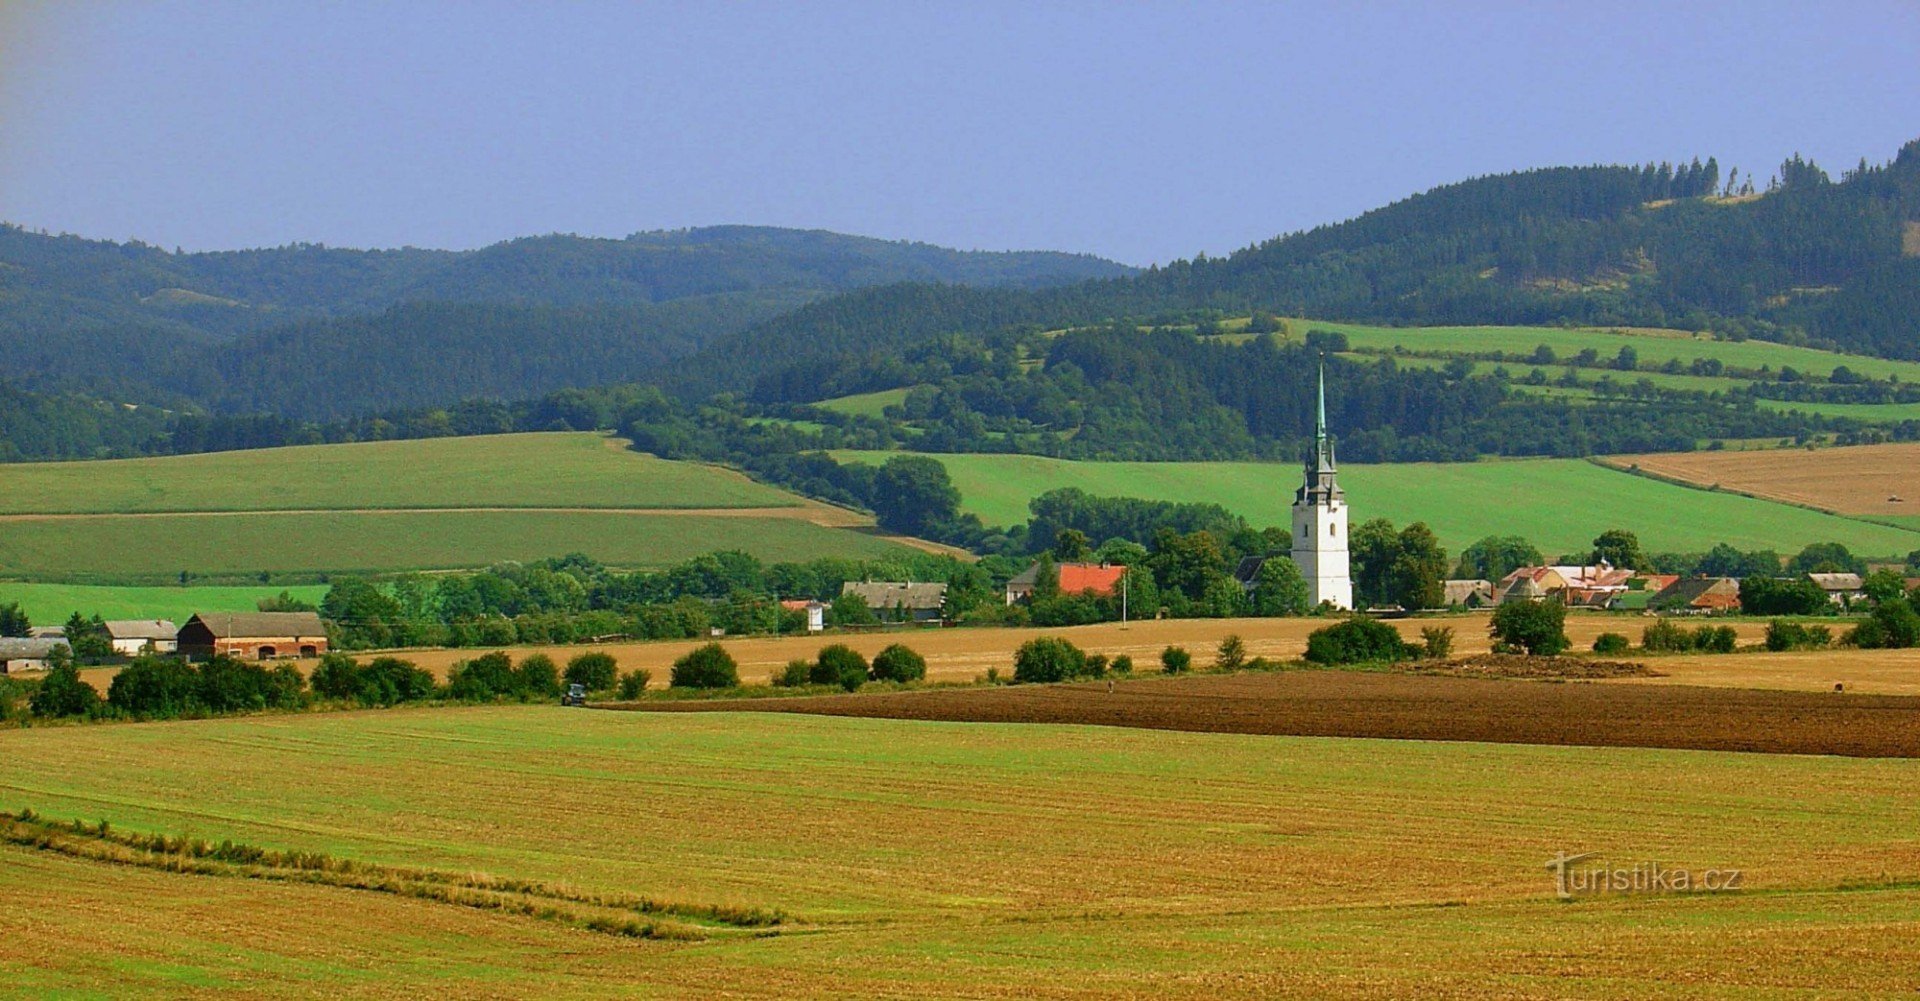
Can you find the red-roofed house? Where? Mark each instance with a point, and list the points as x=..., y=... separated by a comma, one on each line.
x=1102, y=579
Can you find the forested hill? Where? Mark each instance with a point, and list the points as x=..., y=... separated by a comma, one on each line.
x=1804, y=258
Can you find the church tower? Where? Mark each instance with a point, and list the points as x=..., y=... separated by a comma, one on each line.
x=1320, y=521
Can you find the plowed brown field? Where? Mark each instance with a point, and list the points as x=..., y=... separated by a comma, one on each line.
x=1861, y=479
x=1352, y=704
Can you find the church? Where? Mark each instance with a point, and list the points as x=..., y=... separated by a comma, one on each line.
x=1320, y=521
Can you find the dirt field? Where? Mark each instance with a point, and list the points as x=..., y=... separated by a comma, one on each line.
x=1352, y=704
x=1860, y=479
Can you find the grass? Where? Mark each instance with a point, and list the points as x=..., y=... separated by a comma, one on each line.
x=50, y=604
x=1558, y=504
x=866, y=404
x=159, y=546
x=515, y=470
x=947, y=859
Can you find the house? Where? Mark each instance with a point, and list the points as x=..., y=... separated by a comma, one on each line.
x=47, y=632
x=815, y=611
x=253, y=635
x=28, y=654
x=1466, y=593
x=1103, y=579
x=1841, y=588
x=905, y=601
x=133, y=637
x=1697, y=596
x=1594, y=586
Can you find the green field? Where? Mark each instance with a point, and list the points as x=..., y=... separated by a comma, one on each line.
x=866, y=404
x=947, y=860
x=145, y=547
x=50, y=604
x=1559, y=504
x=515, y=470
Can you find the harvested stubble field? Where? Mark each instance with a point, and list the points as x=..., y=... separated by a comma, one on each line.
x=957, y=860
x=1409, y=706
x=1858, y=479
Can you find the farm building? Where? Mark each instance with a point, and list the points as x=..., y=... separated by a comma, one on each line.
x=901, y=600
x=47, y=632
x=1841, y=588
x=133, y=637
x=1698, y=595
x=1075, y=578
x=815, y=611
x=254, y=635
x=27, y=654
x=1467, y=593
x=1594, y=586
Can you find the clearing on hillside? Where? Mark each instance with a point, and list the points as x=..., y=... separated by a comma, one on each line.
x=1559, y=505
x=1858, y=479
x=938, y=859
x=50, y=604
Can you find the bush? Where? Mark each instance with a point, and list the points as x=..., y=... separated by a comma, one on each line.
x=537, y=677
x=1710, y=639
x=1664, y=636
x=1784, y=635
x=1097, y=665
x=1232, y=654
x=1358, y=640
x=1438, y=641
x=1176, y=660
x=62, y=693
x=337, y=676
x=231, y=685
x=633, y=683
x=798, y=672
x=489, y=676
x=710, y=666
x=841, y=665
x=598, y=671
x=1122, y=664
x=1611, y=644
x=899, y=663
x=1536, y=627
x=1048, y=658
x=155, y=686
x=1893, y=625
x=388, y=681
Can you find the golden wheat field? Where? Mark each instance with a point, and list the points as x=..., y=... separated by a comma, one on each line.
x=1857, y=479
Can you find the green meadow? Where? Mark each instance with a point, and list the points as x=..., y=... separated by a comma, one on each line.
x=50, y=604
x=562, y=469
x=1558, y=504
x=943, y=860
x=866, y=404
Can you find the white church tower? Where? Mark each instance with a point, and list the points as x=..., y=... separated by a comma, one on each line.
x=1320, y=521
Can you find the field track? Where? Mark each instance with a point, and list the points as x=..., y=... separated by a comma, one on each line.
x=1351, y=704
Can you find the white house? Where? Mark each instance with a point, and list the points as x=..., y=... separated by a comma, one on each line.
x=133, y=637
x=27, y=654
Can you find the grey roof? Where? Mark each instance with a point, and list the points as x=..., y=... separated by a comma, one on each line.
x=142, y=629
x=16, y=648
x=227, y=625
x=1837, y=581
x=895, y=594
x=1248, y=570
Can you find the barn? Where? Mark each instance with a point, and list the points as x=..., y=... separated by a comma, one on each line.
x=133, y=637
x=254, y=635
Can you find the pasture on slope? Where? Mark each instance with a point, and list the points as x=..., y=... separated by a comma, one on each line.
x=406, y=505
x=1560, y=505
x=938, y=859
x=50, y=604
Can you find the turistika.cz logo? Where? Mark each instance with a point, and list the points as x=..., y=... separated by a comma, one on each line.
x=1572, y=880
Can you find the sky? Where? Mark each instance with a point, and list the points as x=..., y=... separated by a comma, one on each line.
x=1143, y=132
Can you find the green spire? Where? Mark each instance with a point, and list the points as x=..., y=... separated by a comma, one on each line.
x=1320, y=427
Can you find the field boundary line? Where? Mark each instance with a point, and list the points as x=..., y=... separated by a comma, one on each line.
x=1608, y=462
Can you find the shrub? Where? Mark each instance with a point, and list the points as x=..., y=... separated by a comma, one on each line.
x=537, y=676
x=337, y=676
x=155, y=686
x=598, y=671
x=231, y=685
x=1232, y=654
x=1893, y=625
x=1710, y=639
x=899, y=663
x=841, y=665
x=62, y=693
x=710, y=666
x=798, y=672
x=1097, y=665
x=634, y=682
x=1358, y=640
x=1663, y=635
x=1048, y=658
x=1438, y=641
x=1122, y=664
x=488, y=676
x=1535, y=627
x=1784, y=635
x=387, y=681
x=1611, y=644
x=1176, y=660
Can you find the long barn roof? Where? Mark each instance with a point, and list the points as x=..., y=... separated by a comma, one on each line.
x=227, y=625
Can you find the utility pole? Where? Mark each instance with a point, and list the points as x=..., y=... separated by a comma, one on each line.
x=1123, y=598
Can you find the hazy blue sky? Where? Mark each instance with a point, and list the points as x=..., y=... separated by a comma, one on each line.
x=1139, y=131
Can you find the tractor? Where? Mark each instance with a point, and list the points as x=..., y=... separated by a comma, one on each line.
x=576, y=695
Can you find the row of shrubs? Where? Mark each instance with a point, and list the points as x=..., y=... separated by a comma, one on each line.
x=711, y=666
